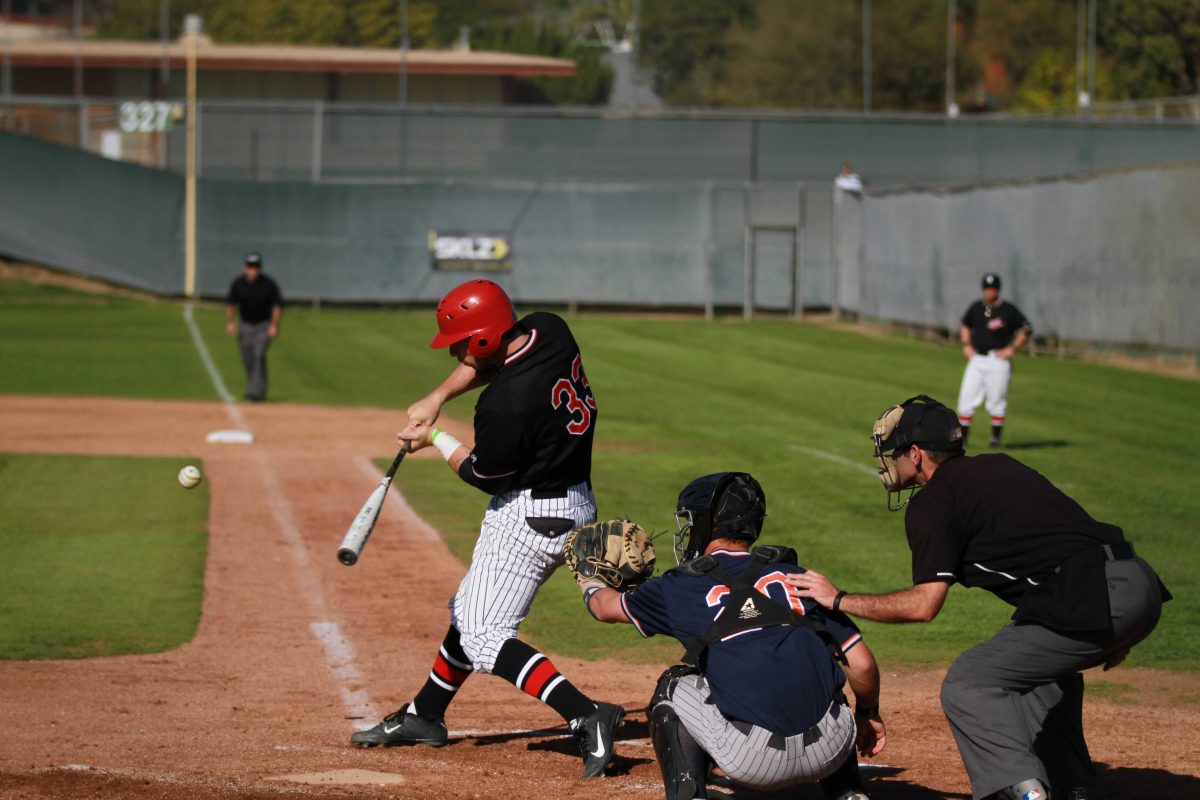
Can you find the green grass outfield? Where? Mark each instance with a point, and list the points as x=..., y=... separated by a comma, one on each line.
x=113, y=564
x=791, y=403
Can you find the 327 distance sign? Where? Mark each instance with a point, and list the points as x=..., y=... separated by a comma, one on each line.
x=459, y=251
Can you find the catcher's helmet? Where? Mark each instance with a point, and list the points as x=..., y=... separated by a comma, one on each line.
x=724, y=505
x=919, y=420
x=479, y=310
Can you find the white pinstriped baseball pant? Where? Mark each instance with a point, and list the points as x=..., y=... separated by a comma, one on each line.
x=510, y=563
x=747, y=757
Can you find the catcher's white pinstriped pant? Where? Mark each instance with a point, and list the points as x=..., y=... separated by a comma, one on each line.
x=985, y=376
x=747, y=757
x=510, y=563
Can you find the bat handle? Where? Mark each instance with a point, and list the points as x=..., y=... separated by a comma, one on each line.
x=347, y=556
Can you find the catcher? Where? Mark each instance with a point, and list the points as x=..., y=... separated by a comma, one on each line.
x=760, y=690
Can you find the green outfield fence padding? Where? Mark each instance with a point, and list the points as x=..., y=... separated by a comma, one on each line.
x=1109, y=258
x=69, y=209
x=671, y=209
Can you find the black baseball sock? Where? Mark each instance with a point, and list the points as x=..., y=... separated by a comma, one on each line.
x=450, y=670
x=966, y=429
x=996, y=431
x=534, y=674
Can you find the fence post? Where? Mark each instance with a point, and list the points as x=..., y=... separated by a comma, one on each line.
x=317, y=136
x=706, y=248
x=747, y=258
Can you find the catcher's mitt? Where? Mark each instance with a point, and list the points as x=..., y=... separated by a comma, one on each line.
x=616, y=551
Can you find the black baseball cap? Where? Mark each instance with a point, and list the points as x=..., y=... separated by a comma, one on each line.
x=928, y=424
x=253, y=260
x=991, y=281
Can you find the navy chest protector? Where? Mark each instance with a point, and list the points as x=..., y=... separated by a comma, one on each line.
x=748, y=609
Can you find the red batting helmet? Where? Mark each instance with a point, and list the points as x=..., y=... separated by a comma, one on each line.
x=479, y=310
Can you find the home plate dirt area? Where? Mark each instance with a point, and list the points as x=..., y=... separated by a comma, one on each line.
x=295, y=652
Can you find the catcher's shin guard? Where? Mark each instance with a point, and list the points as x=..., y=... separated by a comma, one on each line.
x=845, y=783
x=683, y=763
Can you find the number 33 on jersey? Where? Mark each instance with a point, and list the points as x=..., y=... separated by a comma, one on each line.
x=576, y=393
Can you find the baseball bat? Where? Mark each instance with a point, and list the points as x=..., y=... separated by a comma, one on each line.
x=364, y=521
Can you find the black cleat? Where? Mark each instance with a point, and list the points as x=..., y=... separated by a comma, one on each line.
x=595, y=734
x=994, y=441
x=401, y=728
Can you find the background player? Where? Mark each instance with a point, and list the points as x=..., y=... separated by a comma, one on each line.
x=534, y=425
x=1083, y=598
x=992, y=330
x=764, y=699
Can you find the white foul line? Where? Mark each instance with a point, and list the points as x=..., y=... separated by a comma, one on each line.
x=339, y=654
x=835, y=458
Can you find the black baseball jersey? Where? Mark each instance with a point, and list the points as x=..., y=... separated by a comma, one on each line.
x=535, y=421
x=781, y=678
x=993, y=327
x=255, y=300
x=992, y=522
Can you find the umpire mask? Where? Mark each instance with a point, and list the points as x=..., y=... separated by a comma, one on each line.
x=722, y=505
x=919, y=420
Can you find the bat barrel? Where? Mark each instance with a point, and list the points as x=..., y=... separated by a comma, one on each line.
x=347, y=556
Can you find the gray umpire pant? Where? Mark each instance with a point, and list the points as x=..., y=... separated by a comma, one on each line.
x=254, y=340
x=754, y=757
x=1015, y=702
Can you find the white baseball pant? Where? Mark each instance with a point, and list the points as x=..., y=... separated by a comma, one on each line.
x=510, y=563
x=986, y=377
x=751, y=756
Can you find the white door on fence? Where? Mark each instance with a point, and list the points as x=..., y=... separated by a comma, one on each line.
x=773, y=267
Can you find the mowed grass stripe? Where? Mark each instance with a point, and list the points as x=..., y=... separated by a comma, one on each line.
x=682, y=397
x=103, y=556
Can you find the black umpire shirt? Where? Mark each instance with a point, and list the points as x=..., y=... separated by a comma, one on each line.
x=535, y=421
x=254, y=300
x=993, y=327
x=992, y=522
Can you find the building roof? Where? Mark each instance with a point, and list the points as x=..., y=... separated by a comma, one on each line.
x=282, y=58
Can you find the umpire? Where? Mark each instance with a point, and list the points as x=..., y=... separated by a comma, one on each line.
x=255, y=300
x=760, y=691
x=1083, y=598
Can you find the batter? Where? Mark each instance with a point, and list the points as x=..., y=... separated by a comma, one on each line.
x=534, y=424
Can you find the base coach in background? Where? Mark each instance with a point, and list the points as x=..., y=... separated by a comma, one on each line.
x=254, y=300
x=1083, y=598
x=991, y=331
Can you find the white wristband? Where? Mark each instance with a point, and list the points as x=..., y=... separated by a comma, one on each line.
x=445, y=443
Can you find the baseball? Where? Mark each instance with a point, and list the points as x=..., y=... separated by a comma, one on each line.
x=190, y=477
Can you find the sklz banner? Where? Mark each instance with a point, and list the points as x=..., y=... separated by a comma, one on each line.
x=458, y=251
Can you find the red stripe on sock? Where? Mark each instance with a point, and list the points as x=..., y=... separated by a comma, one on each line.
x=538, y=679
x=450, y=674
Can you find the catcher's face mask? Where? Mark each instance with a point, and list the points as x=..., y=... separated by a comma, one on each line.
x=919, y=420
x=724, y=504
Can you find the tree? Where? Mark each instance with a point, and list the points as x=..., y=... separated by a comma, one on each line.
x=1151, y=47
x=805, y=54
x=685, y=43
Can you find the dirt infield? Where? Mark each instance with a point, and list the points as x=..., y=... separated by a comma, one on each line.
x=291, y=644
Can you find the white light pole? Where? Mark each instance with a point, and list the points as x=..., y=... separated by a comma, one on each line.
x=403, y=52
x=951, y=54
x=866, y=47
x=192, y=26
